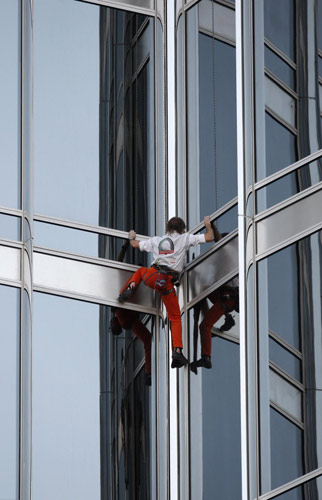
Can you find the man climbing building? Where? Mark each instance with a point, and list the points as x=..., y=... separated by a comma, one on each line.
x=169, y=253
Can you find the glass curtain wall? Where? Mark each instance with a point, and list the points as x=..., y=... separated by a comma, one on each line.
x=94, y=122
x=207, y=182
x=289, y=322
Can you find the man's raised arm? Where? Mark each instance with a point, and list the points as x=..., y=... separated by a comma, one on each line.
x=133, y=242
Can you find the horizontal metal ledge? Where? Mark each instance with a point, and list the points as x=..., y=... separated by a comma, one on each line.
x=300, y=217
x=88, y=281
x=131, y=6
x=216, y=215
x=86, y=227
x=83, y=258
x=11, y=211
x=285, y=171
x=13, y=283
x=292, y=484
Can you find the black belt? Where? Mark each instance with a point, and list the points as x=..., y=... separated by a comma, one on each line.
x=166, y=270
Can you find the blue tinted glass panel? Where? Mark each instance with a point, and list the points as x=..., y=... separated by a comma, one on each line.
x=66, y=392
x=9, y=391
x=217, y=122
x=279, y=67
x=221, y=423
x=283, y=293
x=226, y=223
x=89, y=121
x=286, y=450
x=279, y=24
x=10, y=227
x=285, y=360
x=10, y=104
x=280, y=146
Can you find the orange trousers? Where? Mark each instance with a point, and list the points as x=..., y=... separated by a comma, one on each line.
x=212, y=316
x=129, y=320
x=169, y=298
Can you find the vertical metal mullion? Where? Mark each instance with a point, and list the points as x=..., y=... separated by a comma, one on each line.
x=22, y=265
x=240, y=84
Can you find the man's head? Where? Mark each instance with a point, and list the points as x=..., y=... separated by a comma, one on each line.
x=176, y=225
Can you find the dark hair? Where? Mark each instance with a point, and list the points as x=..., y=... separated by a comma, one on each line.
x=175, y=224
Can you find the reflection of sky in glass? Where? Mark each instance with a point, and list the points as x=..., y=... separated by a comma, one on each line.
x=217, y=124
x=9, y=227
x=66, y=450
x=9, y=380
x=9, y=99
x=221, y=423
x=66, y=93
x=286, y=450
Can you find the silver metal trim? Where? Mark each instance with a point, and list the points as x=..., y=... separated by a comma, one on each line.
x=281, y=120
x=286, y=376
x=287, y=170
x=292, y=200
x=289, y=241
x=292, y=484
x=281, y=84
x=119, y=5
x=216, y=36
x=281, y=54
x=225, y=208
x=86, y=227
x=286, y=414
x=90, y=260
x=11, y=211
x=240, y=105
x=13, y=283
x=285, y=344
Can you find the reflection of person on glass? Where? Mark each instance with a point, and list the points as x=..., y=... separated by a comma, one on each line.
x=169, y=253
x=130, y=320
x=225, y=300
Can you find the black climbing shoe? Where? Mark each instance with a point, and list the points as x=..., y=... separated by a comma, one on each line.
x=203, y=362
x=128, y=292
x=229, y=323
x=148, y=379
x=193, y=367
x=178, y=359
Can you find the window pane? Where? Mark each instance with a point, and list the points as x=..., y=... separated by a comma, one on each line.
x=279, y=24
x=283, y=292
x=9, y=391
x=66, y=394
x=217, y=121
x=221, y=423
x=286, y=450
x=285, y=359
x=9, y=104
x=215, y=419
x=280, y=146
x=10, y=227
x=279, y=67
x=97, y=125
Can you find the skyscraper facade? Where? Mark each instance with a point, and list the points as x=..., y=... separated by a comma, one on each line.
x=118, y=115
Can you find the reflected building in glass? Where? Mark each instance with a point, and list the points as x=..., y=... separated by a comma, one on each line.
x=120, y=115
